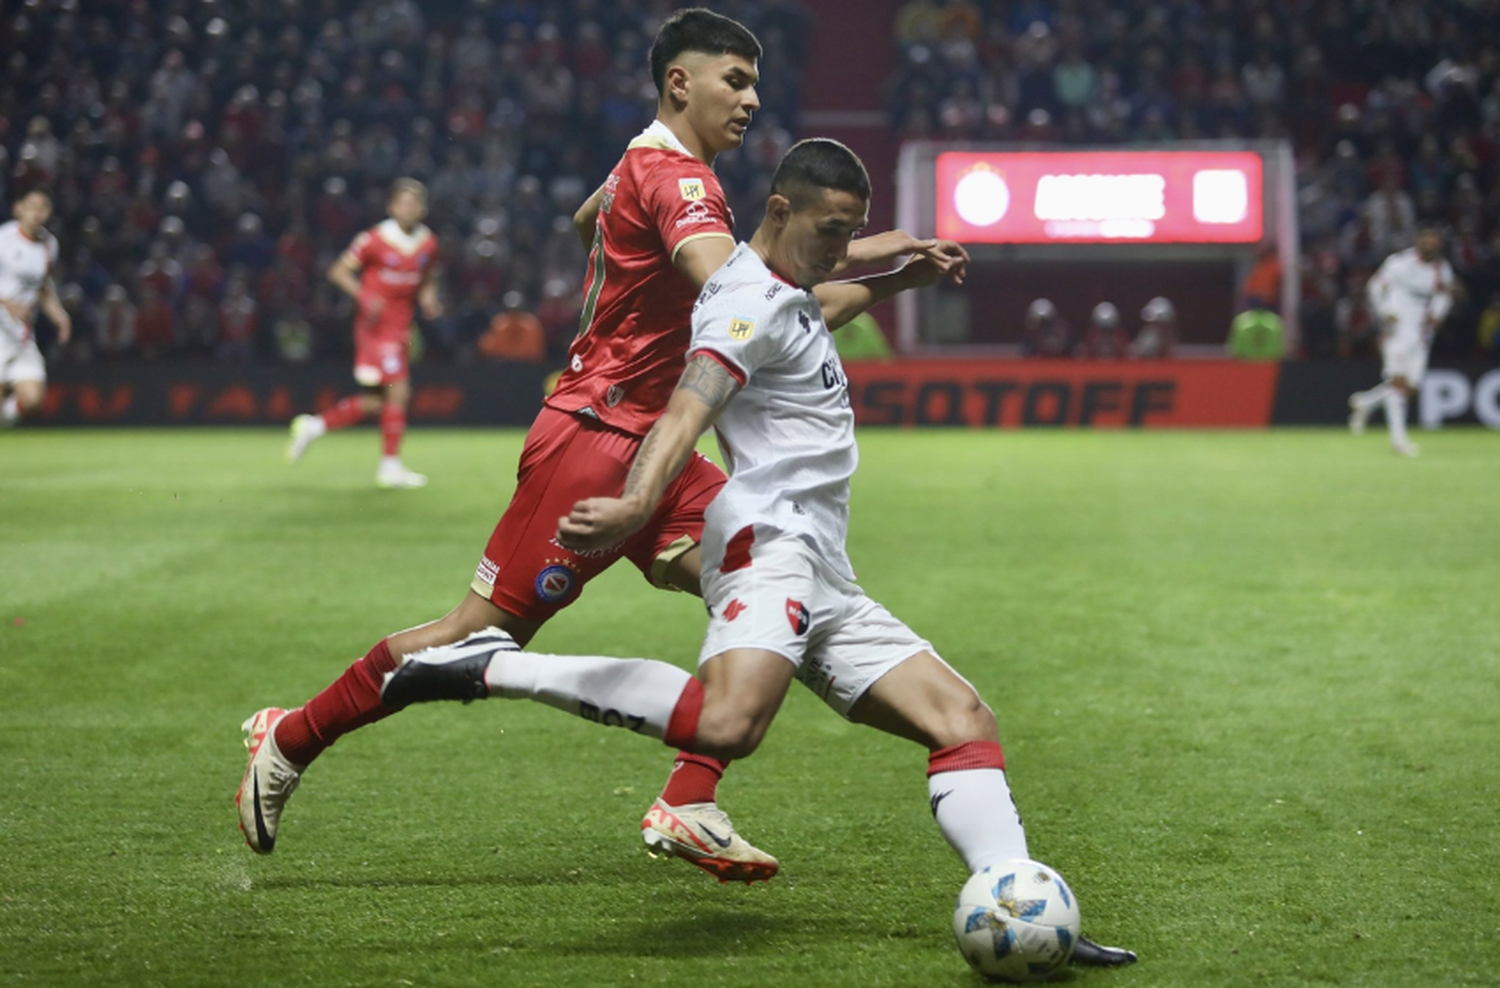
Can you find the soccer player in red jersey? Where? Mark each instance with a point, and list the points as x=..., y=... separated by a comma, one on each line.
x=388, y=270
x=659, y=226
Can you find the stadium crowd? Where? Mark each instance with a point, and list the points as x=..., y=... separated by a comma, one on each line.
x=1392, y=107
x=208, y=160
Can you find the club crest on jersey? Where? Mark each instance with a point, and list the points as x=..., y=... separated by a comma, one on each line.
x=733, y=609
x=741, y=329
x=797, y=616
x=614, y=395
x=691, y=189
x=555, y=581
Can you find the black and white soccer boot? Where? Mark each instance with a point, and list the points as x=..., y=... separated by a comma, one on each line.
x=446, y=672
x=1087, y=953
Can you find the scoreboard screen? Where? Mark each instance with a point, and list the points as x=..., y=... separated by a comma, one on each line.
x=1100, y=197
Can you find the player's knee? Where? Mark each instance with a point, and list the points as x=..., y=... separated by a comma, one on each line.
x=965, y=717
x=728, y=734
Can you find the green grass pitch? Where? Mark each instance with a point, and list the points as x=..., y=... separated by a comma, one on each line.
x=1247, y=687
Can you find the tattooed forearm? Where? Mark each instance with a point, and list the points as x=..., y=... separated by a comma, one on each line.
x=645, y=463
x=707, y=379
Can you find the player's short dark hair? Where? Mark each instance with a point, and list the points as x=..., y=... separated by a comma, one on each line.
x=35, y=191
x=698, y=30
x=819, y=163
x=411, y=185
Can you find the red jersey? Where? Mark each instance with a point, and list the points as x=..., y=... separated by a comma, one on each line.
x=637, y=312
x=392, y=264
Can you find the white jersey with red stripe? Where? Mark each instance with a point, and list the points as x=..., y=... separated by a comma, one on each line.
x=788, y=436
x=1416, y=294
x=25, y=265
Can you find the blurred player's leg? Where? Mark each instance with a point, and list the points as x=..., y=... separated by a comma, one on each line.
x=1362, y=403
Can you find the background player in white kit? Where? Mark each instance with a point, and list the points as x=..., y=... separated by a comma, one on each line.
x=1410, y=294
x=783, y=604
x=28, y=256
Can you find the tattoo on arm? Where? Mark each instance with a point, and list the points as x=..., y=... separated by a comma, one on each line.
x=708, y=380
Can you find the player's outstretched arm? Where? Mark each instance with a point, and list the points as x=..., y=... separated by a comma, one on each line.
x=599, y=522
x=841, y=301
x=880, y=248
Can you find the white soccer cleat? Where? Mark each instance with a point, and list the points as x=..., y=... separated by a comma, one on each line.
x=700, y=833
x=395, y=476
x=1406, y=448
x=269, y=782
x=1359, y=414
x=305, y=429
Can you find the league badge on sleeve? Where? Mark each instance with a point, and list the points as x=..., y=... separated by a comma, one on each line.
x=691, y=189
x=741, y=330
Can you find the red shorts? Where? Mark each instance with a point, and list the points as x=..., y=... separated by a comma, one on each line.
x=568, y=458
x=380, y=353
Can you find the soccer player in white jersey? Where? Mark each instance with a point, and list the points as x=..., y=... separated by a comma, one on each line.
x=28, y=258
x=764, y=373
x=1411, y=295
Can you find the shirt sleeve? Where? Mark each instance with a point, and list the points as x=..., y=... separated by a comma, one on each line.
x=686, y=202
x=739, y=328
x=358, y=253
x=1442, y=298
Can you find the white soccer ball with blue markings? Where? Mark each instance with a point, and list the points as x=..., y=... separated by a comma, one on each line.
x=1016, y=921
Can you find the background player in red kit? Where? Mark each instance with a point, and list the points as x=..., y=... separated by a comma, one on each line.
x=659, y=226
x=388, y=270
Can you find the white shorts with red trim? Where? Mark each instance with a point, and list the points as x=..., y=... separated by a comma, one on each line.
x=788, y=601
x=20, y=360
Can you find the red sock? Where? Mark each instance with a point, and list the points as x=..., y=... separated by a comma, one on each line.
x=694, y=779
x=682, y=726
x=347, y=412
x=392, y=427
x=349, y=703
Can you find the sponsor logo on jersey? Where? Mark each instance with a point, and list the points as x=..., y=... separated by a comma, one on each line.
x=797, y=616
x=487, y=571
x=773, y=291
x=695, y=214
x=741, y=329
x=555, y=582
x=692, y=189
x=733, y=609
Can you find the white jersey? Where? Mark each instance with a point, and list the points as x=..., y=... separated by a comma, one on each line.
x=788, y=436
x=1411, y=291
x=24, y=267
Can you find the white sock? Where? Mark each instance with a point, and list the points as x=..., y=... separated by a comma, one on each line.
x=1367, y=400
x=638, y=694
x=317, y=428
x=10, y=410
x=390, y=462
x=977, y=814
x=1395, y=415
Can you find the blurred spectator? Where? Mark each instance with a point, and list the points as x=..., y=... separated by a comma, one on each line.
x=1046, y=333
x=1158, y=333
x=1104, y=338
x=239, y=320
x=1257, y=333
x=514, y=333
x=155, y=323
x=115, y=330
x=1263, y=281
x=862, y=339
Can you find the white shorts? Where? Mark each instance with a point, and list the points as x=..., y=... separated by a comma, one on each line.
x=790, y=602
x=1403, y=355
x=20, y=361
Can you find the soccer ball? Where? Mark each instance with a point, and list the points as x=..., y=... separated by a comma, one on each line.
x=1016, y=921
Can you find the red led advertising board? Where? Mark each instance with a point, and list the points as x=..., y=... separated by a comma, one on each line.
x=1100, y=197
